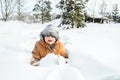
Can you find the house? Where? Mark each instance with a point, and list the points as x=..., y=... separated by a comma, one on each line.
x=101, y=20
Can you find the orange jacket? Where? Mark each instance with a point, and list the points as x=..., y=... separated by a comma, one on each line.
x=41, y=49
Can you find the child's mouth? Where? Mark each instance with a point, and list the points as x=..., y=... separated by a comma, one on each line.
x=49, y=40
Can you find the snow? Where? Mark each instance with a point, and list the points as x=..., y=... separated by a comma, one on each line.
x=94, y=53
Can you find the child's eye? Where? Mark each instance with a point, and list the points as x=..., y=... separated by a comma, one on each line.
x=47, y=35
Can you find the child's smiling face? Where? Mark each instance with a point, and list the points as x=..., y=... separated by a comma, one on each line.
x=49, y=39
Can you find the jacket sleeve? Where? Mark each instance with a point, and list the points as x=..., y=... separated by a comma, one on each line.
x=63, y=52
x=36, y=53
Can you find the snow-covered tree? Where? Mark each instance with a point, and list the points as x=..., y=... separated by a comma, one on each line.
x=42, y=10
x=72, y=12
x=115, y=12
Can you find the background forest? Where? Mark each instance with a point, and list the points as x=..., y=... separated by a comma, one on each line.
x=71, y=12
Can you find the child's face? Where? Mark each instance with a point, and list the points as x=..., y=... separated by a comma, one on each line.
x=50, y=39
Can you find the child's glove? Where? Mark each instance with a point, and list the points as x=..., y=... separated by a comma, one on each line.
x=61, y=60
x=34, y=62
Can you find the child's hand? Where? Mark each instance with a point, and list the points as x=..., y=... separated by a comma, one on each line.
x=34, y=63
x=61, y=60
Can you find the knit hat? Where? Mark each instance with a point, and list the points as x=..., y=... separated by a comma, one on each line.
x=50, y=30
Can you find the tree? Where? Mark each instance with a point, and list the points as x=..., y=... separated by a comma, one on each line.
x=103, y=7
x=115, y=12
x=42, y=10
x=92, y=9
x=19, y=5
x=72, y=12
x=7, y=7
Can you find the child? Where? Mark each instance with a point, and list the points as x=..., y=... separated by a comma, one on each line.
x=48, y=43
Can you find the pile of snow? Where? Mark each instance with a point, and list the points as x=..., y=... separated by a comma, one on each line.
x=51, y=59
x=93, y=53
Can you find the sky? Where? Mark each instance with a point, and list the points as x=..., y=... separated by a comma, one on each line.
x=94, y=52
x=95, y=4
x=31, y=3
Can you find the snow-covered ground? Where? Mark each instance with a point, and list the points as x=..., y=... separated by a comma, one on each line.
x=94, y=53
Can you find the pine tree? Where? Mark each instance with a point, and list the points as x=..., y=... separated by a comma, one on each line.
x=72, y=12
x=115, y=13
x=42, y=10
